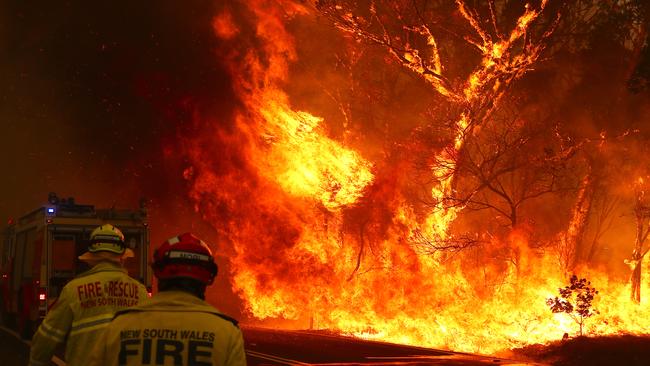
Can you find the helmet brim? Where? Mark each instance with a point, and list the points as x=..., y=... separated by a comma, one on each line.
x=94, y=256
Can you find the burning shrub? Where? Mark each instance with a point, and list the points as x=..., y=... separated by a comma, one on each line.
x=575, y=300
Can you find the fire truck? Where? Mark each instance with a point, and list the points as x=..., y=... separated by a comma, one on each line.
x=38, y=255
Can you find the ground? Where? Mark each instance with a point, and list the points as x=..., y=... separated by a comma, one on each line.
x=13, y=351
x=622, y=350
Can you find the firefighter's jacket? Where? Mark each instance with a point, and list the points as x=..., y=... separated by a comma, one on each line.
x=85, y=306
x=174, y=328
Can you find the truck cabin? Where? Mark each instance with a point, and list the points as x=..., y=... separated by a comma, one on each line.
x=46, y=243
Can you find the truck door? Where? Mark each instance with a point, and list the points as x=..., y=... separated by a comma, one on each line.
x=25, y=274
x=17, y=273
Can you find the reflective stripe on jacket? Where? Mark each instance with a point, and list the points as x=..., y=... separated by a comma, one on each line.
x=84, y=307
x=174, y=328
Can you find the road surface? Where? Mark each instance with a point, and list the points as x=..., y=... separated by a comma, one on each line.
x=301, y=348
x=277, y=347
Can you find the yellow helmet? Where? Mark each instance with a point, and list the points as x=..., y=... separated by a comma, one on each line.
x=107, y=238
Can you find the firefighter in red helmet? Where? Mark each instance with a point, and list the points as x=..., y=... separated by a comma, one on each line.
x=176, y=327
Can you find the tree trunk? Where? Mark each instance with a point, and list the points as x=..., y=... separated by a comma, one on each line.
x=636, y=282
x=581, y=325
x=637, y=254
x=513, y=216
x=579, y=219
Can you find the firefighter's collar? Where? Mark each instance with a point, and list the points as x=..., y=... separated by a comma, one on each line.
x=177, y=295
x=180, y=300
x=104, y=266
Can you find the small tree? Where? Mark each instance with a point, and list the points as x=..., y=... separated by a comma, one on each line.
x=575, y=300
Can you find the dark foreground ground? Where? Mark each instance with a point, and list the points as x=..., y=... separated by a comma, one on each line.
x=301, y=348
x=277, y=347
x=12, y=350
x=274, y=347
x=624, y=350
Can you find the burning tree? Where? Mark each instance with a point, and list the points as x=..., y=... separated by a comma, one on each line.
x=575, y=300
x=642, y=215
x=414, y=32
x=320, y=205
x=512, y=162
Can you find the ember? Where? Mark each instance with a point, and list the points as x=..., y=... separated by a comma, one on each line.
x=441, y=210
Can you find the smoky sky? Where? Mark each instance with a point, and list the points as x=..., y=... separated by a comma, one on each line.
x=93, y=93
x=95, y=99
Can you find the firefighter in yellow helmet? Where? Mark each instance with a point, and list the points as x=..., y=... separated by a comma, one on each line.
x=88, y=302
x=177, y=327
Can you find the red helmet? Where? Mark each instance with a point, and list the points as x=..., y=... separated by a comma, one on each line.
x=185, y=256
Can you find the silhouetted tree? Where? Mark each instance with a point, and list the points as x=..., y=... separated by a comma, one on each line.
x=575, y=300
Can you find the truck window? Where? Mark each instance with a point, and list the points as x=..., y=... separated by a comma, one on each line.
x=66, y=244
x=63, y=256
x=133, y=241
x=64, y=262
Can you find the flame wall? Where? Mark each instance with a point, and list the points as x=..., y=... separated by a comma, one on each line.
x=321, y=213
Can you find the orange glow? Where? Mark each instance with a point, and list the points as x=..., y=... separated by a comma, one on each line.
x=299, y=254
x=224, y=27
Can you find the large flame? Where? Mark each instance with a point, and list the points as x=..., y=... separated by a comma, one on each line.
x=306, y=215
x=305, y=163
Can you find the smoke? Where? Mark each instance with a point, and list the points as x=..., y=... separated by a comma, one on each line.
x=94, y=98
